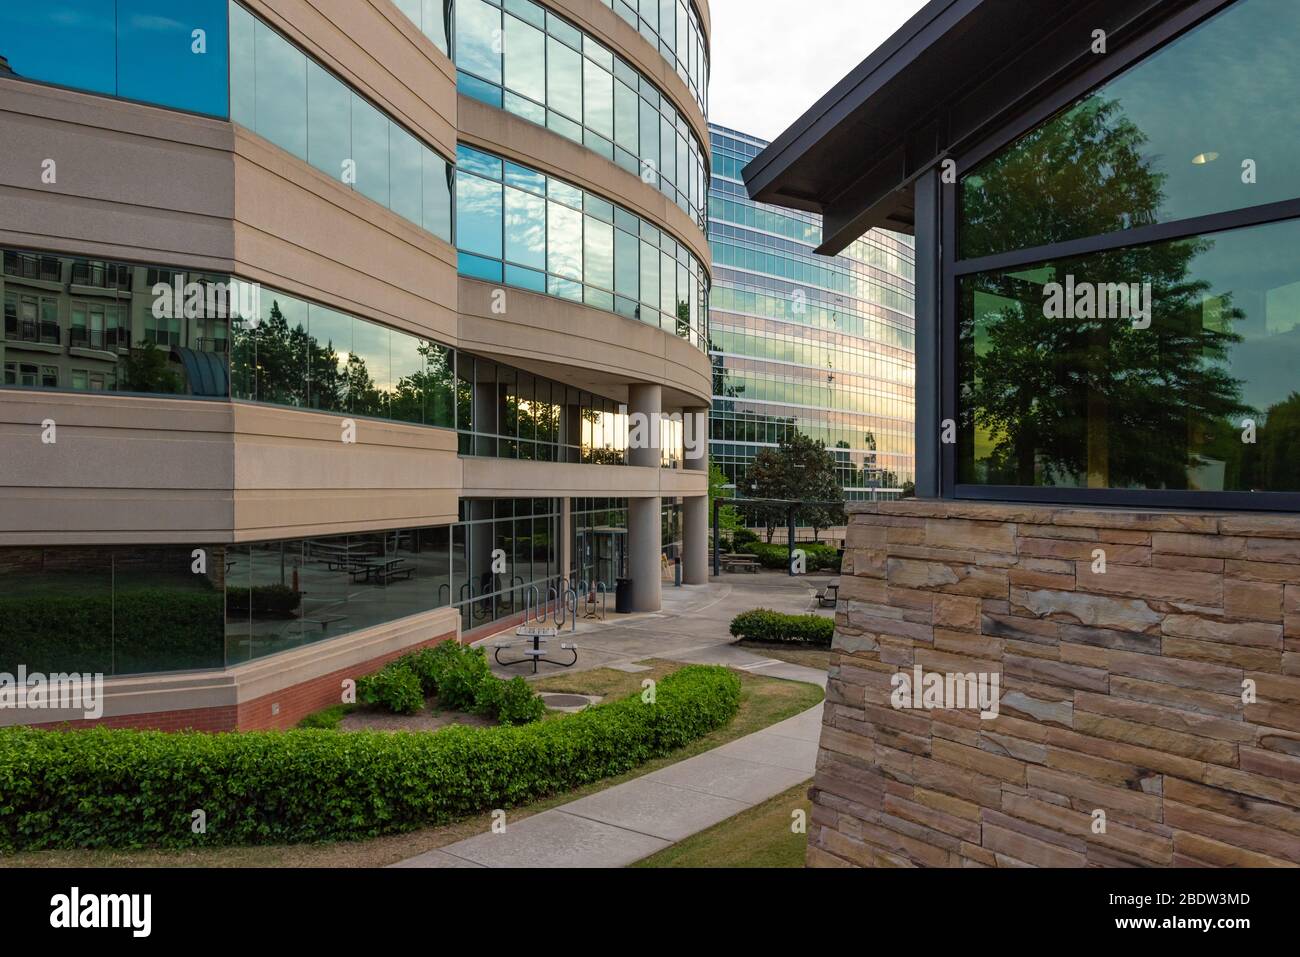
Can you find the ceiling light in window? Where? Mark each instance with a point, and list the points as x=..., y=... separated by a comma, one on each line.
x=1200, y=159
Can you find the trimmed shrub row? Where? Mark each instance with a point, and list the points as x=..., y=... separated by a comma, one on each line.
x=101, y=788
x=816, y=557
x=461, y=679
x=762, y=624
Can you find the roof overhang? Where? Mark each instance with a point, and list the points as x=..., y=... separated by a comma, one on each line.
x=955, y=72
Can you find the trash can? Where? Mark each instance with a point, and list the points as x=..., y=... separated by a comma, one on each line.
x=623, y=596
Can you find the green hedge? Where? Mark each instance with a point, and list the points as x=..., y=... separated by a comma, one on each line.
x=101, y=788
x=816, y=557
x=762, y=624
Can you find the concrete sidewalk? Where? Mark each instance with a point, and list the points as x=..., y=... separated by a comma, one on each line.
x=622, y=824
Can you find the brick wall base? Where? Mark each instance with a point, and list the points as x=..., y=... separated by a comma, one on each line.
x=1149, y=708
x=283, y=708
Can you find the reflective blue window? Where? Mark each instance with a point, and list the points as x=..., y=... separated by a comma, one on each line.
x=169, y=52
x=537, y=232
x=173, y=53
x=520, y=57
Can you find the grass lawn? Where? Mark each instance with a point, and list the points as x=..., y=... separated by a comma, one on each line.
x=819, y=658
x=759, y=837
x=763, y=702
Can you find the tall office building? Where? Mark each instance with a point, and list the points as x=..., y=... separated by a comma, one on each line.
x=328, y=328
x=821, y=345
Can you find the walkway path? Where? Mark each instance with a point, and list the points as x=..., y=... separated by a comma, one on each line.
x=622, y=824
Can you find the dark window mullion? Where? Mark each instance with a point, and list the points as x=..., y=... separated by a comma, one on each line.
x=1141, y=236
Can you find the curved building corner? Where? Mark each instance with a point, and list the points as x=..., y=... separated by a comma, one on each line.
x=331, y=331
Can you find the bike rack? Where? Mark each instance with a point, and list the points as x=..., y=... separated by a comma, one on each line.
x=532, y=604
x=571, y=599
x=603, y=591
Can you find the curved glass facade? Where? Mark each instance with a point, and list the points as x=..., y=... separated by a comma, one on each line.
x=674, y=27
x=97, y=325
x=140, y=609
x=808, y=343
x=93, y=325
x=166, y=52
x=280, y=93
x=520, y=227
x=520, y=57
x=215, y=57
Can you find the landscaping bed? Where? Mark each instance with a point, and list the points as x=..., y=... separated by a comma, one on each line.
x=100, y=788
x=764, y=701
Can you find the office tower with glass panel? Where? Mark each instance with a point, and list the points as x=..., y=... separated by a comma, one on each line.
x=800, y=342
x=324, y=328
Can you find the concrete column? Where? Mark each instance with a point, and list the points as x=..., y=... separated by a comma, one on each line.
x=644, y=533
x=695, y=540
x=644, y=515
x=647, y=401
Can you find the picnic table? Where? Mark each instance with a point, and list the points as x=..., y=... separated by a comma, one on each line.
x=740, y=561
x=381, y=571
x=534, y=637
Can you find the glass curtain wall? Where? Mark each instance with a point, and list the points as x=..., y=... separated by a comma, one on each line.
x=807, y=343
x=524, y=535
x=519, y=56
x=526, y=229
x=280, y=93
x=218, y=58
x=118, y=610
x=433, y=17
x=99, y=325
x=674, y=27
x=508, y=413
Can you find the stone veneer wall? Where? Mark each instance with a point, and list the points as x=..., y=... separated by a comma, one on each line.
x=1121, y=692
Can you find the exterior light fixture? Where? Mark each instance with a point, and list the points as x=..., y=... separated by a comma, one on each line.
x=1200, y=159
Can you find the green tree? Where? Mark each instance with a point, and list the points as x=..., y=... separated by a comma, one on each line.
x=1088, y=401
x=799, y=470
x=728, y=517
x=146, y=369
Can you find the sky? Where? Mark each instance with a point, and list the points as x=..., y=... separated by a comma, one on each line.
x=772, y=59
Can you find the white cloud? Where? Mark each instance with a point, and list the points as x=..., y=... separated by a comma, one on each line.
x=772, y=59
